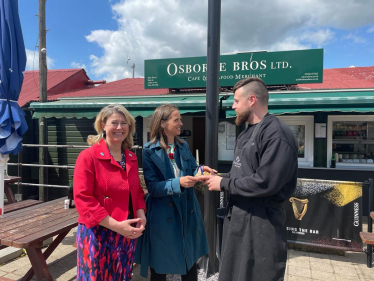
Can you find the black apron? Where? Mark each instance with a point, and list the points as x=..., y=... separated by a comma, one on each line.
x=254, y=235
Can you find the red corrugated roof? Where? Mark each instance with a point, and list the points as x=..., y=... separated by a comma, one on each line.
x=337, y=78
x=123, y=87
x=70, y=83
x=344, y=78
x=58, y=81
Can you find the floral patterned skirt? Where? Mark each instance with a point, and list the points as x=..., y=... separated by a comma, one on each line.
x=103, y=254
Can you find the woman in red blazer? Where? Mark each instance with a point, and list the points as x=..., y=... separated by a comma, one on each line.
x=109, y=199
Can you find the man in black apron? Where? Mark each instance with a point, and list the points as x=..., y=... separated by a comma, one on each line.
x=263, y=175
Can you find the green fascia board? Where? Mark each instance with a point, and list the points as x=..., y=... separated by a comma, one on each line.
x=279, y=103
x=344, y=101
x=92, y=114
x=89, y=108
x=143, y=102
x=315, y=99
x=82, y=114
x=280, y=111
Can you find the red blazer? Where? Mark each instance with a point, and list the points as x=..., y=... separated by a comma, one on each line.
x=101, y=186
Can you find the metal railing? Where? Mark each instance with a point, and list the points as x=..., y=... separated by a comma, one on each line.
x=20, y=164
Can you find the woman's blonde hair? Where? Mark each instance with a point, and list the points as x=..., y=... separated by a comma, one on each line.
x=162, y=113
x=103, y=116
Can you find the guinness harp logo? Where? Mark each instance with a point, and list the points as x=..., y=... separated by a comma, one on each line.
x=299, y=207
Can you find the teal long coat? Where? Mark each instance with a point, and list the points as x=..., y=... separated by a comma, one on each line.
x=174, y=238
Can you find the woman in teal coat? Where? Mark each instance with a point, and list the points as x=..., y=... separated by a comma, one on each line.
x=174, y=238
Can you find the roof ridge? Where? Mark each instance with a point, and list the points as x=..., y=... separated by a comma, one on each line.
x=349, y=67
x=57, y=70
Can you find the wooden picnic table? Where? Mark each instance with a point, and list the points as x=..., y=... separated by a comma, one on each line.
x=8, y=192
x=20, y=205
x=29, y=227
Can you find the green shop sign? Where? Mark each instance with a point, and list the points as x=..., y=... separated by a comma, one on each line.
x=275, y=68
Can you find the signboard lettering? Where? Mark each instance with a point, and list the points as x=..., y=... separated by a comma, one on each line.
x=326, y=214
x=275, y=68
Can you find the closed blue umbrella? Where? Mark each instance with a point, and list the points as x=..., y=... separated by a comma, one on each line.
x=12, y=66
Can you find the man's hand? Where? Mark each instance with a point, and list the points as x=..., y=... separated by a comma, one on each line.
x=213, y=182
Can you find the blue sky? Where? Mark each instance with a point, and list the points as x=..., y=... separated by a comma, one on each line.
x=68, y=21
x=100, y=35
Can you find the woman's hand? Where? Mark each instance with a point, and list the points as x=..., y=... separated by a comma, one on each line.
x=188, y=181
x=126, y=229
x=142, y=219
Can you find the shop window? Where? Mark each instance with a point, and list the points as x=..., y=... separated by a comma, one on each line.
x=226, y=141
x=351, y=140
x=302, y=128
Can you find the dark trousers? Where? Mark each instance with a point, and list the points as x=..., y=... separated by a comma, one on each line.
x=191, y=275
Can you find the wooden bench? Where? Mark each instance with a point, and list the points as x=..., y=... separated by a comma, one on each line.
x=8, y=192
x=367, y=237
x=20, y=205
x=29, y=227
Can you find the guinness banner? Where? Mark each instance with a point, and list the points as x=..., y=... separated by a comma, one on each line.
x=325, y=214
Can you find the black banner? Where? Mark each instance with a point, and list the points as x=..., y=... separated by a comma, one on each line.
x=325, y=214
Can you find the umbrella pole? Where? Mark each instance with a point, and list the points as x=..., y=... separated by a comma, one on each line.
x=3, y=162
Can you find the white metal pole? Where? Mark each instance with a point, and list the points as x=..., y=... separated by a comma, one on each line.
x=1, y=188
x=3, y=161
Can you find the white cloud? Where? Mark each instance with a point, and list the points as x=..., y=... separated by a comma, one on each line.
x=355, y=38
x=371, y=29
x=78, y=65
x=152, y=29
x=33, y=60
x=289, y=43
x=318, y=38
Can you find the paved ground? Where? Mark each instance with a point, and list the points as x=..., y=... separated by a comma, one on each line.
x=300, y=265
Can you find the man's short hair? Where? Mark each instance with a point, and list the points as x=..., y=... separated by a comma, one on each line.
x=254, y=85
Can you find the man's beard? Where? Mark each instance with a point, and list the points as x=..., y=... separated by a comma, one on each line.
x=242, y=117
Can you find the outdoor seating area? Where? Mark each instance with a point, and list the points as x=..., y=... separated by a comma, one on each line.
x=8, y=191
x=241, y=147
x=28, y=227
x=12, y=205
x=301, y=265
x=368, y=239
x=20, y=205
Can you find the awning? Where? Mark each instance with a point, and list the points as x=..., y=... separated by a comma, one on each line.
x=291, y=102
x=139, y=106
x=339, y=101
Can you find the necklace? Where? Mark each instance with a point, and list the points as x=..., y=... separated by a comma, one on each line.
x=170, y=152
x=122, y=163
